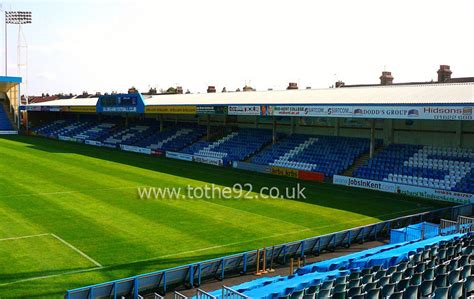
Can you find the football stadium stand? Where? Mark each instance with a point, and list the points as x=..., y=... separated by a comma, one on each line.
x=427, y=166
x=94, y=131
x=47, y=129
x=410, y=138
x=112, y=134
x=440, y=267
x=444, y=168
x=67, y=128
x=173, y=139
x=236, y=146
x=129, y=135
x=424, y=260
x=5, y=124
x=327, y=154
x=77, y=130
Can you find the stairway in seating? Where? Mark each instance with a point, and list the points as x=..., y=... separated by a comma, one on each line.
x=178, y=133
x=360, y=161
x=261, y=150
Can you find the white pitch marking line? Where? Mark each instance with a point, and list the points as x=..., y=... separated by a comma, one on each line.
x=50, y=276
x=67, y=192
x=77, y=250
x=23, y=237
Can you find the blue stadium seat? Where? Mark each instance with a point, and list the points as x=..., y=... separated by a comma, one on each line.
x=5, y=124
x=327, y=154
x=426, y=166
x=356, y=276
x=236, y=146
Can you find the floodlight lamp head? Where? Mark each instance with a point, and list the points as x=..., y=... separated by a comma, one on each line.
x=18, y=17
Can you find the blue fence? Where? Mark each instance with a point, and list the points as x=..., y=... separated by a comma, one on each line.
x=419, y=231
x=193, y=275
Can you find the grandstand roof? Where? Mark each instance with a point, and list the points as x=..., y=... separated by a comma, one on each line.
x=447, y=93
x=68, y=102
x=409, y=94
x=8, y=82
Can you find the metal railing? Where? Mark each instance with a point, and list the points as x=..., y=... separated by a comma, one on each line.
x=200, y=294
x=178, y=295
x=447, y=227
x=465, y=224
x=193, y=275
x=228, y=293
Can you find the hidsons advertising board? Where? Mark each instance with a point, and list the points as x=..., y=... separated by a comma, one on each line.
x=449, y=112
x=436, y=194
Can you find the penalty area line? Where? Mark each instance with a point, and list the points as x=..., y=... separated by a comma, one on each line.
x=23, y=237
x=50, y=276
x=77, y=250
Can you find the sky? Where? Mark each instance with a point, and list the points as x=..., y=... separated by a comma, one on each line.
x=105, y=45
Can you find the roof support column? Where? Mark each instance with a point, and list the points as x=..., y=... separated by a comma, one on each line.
x=176, y=119
x=27, y=121
x=459, y=126
x=208, y=126
x=336, y=127
x=126, y=120
x=292, y=125
x=161, y=122
x=225, y=120
x=389, y=131
x=274, y=137
x=256, y=122
x=372, y=137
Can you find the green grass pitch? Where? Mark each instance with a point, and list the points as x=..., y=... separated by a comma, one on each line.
x=70, y=215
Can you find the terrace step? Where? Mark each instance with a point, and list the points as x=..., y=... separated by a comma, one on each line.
x=361, y=161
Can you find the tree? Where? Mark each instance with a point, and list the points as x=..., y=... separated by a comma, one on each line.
x=171, y=90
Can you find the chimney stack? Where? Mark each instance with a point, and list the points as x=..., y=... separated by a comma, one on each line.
x=339, y=84
x=248, y=88
x=386, y=78
x=292, y=85
x=211, y=89
x=444, y=73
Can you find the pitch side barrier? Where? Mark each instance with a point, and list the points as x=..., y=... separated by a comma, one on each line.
x=193, y=275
